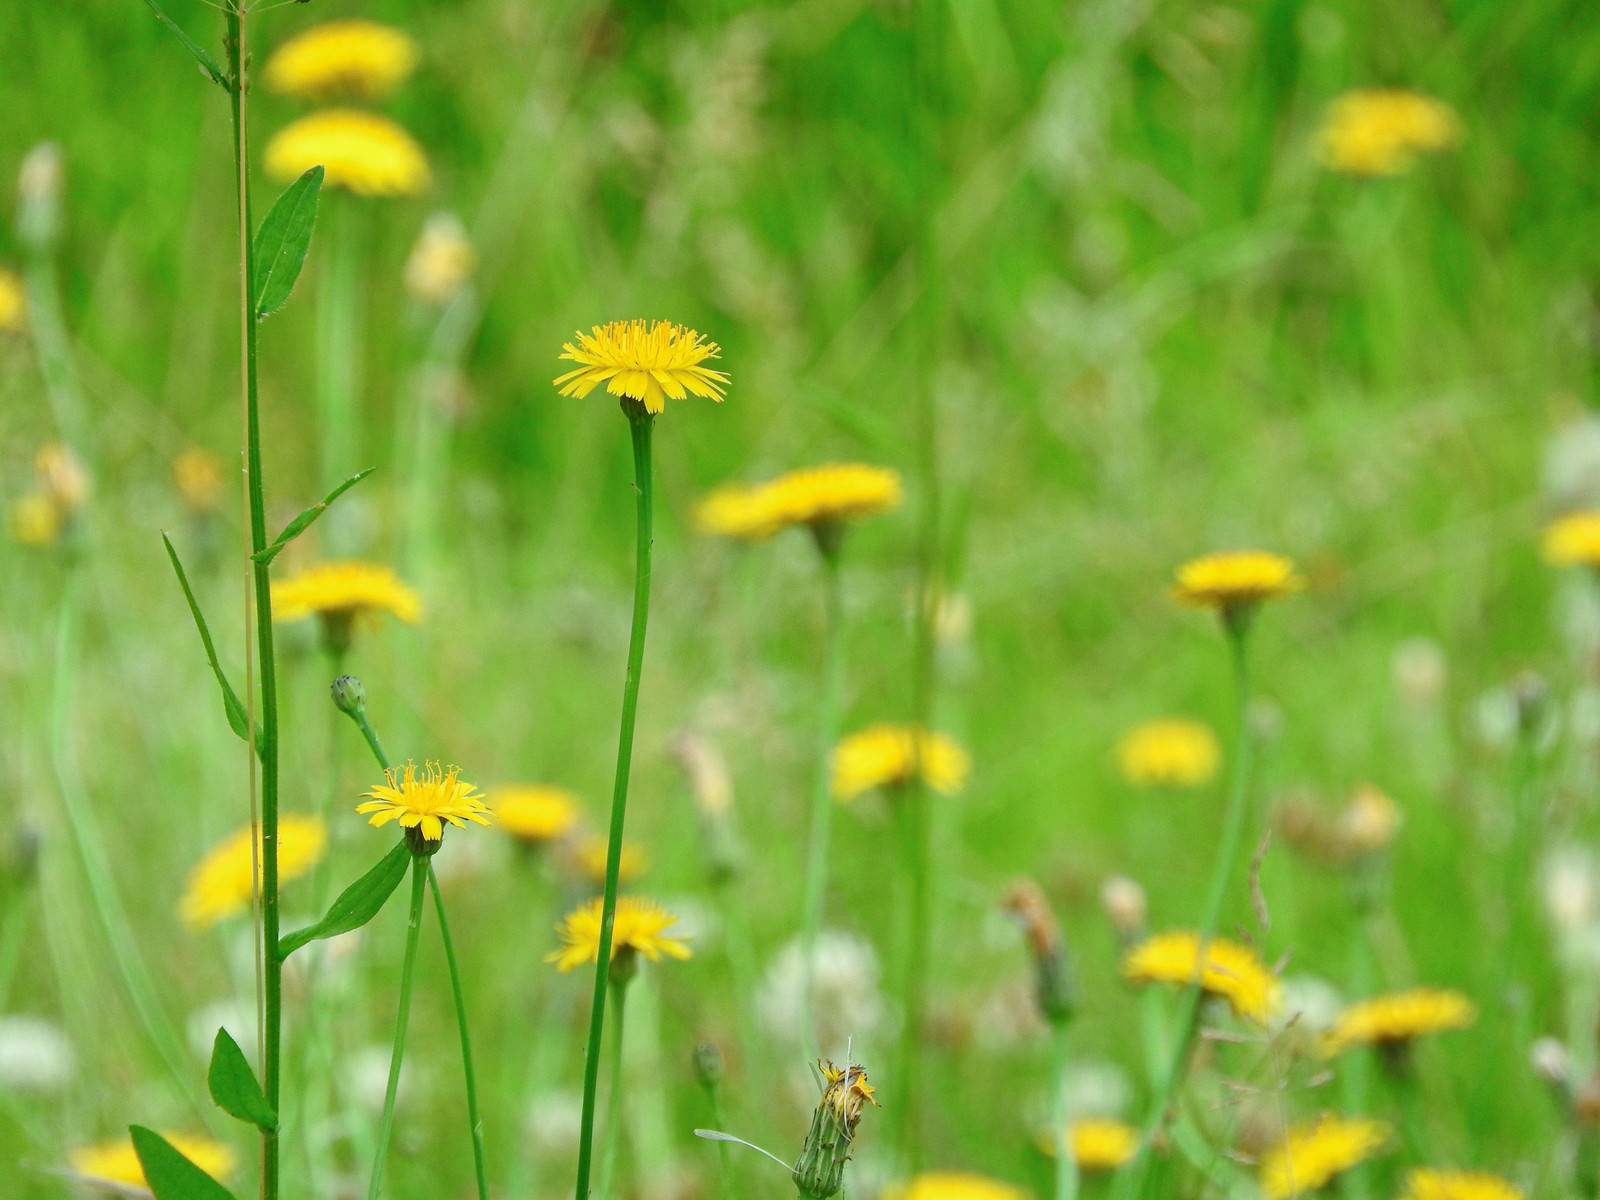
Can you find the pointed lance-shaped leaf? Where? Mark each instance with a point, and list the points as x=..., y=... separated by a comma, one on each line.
x=282, y=241
x=170, y=1175
x=234, y=1087
x=356, y=905
x=238, y=719
x=307, y=515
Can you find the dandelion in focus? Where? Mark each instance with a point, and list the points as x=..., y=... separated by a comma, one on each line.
x=534, y=814
x=1231, y=971
x=1393, y=1021
x=222, y=883
x=1381, y=131
x=645, y=361
x=1573, y=540
x=13, y=303
x=887, y=756
x=423, y=802
x=360, y=151
x=640, y=929
x=441, y=261
x=1171, y=752
x=1315, y=1152
x=362, y=60
x=823, y=497
x=1426, y=1183
x=116, y=1164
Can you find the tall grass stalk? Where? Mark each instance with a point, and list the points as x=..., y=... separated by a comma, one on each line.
x=613, y=1131
x=474, y=1120
x=640, y=425
x=419, y=878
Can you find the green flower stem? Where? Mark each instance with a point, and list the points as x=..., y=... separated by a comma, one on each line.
x=1066, y=1164
x=640, y=424
x=822, y=801
x=371, y=735
x=1355, y=1070
x=606, y=1187
x=473, y=1118
x=724, y=1162
x=910, y=803
x=419, y=879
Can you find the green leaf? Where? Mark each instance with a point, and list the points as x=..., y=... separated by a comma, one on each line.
x=282, y=240
x=172, y=1176
x=298, y=526
x=207, y=63
x=356, y=905
x=234, y=1087
x=238, y=719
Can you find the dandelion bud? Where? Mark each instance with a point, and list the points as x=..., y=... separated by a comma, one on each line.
x=1124, y=902
x=349, y=696
x=708, y=1065
x=819, y=1171
x=39, y=196
x=1053, y=982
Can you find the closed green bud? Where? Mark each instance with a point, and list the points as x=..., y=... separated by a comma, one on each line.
x=349, y=695
x=819, y=1171
x=708, y=1065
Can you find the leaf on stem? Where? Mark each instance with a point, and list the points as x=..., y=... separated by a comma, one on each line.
x=356, y=905
x=299, y=525
x=234, y=1087
x=207, y=63
x=282, y=241
x=238, y=719
x=172, y=1176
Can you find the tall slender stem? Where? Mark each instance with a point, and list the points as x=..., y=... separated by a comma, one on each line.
x=419, y=878
x=613, y=1134
x=1061, y=1118
x=640, y=424
x=473, y=1118
x=911, y=804
x=822, y=790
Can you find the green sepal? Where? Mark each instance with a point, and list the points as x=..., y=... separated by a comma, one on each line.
x=299, y=525
x=238, y=719
x=207, y=63
x=282, y=241
x=234, y=1087
x=356, y=905
x=170, y=1175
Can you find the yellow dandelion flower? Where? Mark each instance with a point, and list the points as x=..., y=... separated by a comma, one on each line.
x=116, y=1163
x=828, y=494
x=1315, y=1152
x=360, y=59
x=1381, y=131
x=1427, y=1183
x=534, y=813
x=1171, y=751
x=360, y=151
x=441, y=261
x=645, y=361
x=34, y=520
x=1098, y=1143
x=345, y=590
x=13, y=303
x=953, y=1185
x=1573, y=540
x=1232, y=971
x=887, y=755
x=62, y=477
x=220, y=884
x=640, y=928
x=424, y=801
x=847, y=1091
x=591, y=859
x=1235, y=580
x=197, y=474
x=1397, y=1018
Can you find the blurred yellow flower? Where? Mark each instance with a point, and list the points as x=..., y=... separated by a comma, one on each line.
x=220, y=884
x=953, y=1185
x=62, y=477
x=1380, y=131
x=591, y=858
x=640, y=928
x=1397, y=1018
x=13, y=303
x=197, y=474
x=355, y=58
x=34, y=520
x=646, y=361
x=1313, y=1153
x=1573, y=540
x=424, y=802
x=1368, y=822
x=115, y=1163
x=1236, y=579
x=831, y=493
x=1426, y=1183
x=345, y=589
x=1172, y=751
x=441, y=261
x=1232, y=971
x=360, y=151
x=533, y=813
x=886, y=755
x=1098, y=1143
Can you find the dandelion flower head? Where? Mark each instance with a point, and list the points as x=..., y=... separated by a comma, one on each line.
x=117, y=1163
x=1427, y=1183
x=1313, y=1153
x=645, y=361
x=1235, y=579
x=887, y=755
x=953, y=1185
x=1381, y=131
x=1169, y=751
x=1399, y=1017
x=640, y=928
x=1098, y=1143
x=360, y=59
x=1232, y=971
x=424, y=800
x=359, y=151
x=591, y=853
x=846, y=1089
x=345, y=589
x=13, y=303
x=534, y=813
x=1573, y=540
x=222, y=883
x=833, y=492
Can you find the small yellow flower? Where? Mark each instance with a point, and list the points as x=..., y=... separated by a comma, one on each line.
x=345, y=590
x=887, y=755
x=1171, y=751
x=1426, y=1183
x=62, y=477
x=116, y=1163
x=1368, y=822
x=355, y=58
x=220, y=884
x=441, y=261
x=1573, y=540
x=197, y=474
x=1235, y=580
x=1397, y=1018
x=831, y=493
x=591, y=859
x=1098, y=1143
x=424, y=802
x=645, y=361
x=1232, y=971
x=846, y=1089
x=34, y=520
x=640, y=928
x=13, y=303
x=534, y=813
x=1315, y=1152
x=1377, y=131
x=361, y=151
x=953, y=1185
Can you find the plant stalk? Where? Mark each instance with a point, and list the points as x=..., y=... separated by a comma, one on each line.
x=419, y=878
x=473, y=1117
x=613, y=1133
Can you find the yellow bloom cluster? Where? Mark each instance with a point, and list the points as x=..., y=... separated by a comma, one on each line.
x=424, y=801
x=356, y=58
x=61, y=489
x=116, y=1163
x=1426, y=1183
x=1232, y=971
x=361, y=151
x=13, y=303
x=345, y=589
x=1315, y=1152
x=534, y=814
x=1172, y=751
x=813, y=496
x=1380, y=131
x=953, y=1185
x=645, y=361
x=640, y=928
x=1398, y=1017
x=1235, y=579
x=221, y=882
x=885, y=755
x=1573, y=540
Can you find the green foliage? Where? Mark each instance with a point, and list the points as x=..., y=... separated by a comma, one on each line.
x=170, y=1174
x=233, y=1085
x=282, y=241
x=303, y=521
x=357, y=904
x=232, y=706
